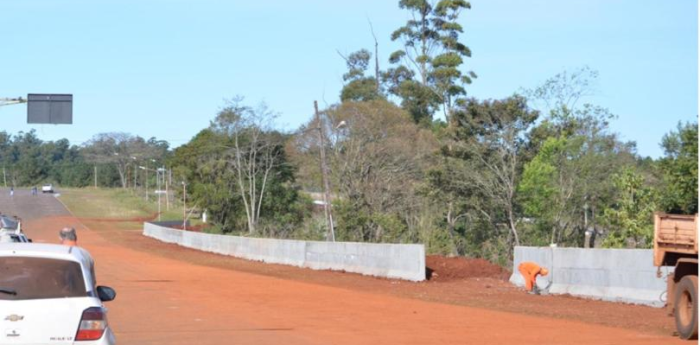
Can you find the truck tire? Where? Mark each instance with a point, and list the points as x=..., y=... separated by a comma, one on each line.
x=686, y=307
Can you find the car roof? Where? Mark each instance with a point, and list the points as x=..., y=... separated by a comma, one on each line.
x=45, y=250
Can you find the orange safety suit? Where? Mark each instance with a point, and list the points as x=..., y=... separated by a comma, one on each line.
x=69, y=243
x=530, y=271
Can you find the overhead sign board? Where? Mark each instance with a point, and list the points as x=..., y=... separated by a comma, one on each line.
x=56, y=109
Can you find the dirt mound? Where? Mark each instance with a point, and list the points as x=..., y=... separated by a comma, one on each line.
x=444, y=269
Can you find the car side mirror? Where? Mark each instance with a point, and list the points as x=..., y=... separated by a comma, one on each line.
x=30, y=240
x=106, y=293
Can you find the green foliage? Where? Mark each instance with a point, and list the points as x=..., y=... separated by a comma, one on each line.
x=416, y=98
x=539, y=179
x=201, y=163
x=237, y=170
x=572, y=153
x=314, y=228
x=122, y=152
x=432, y=50
x=487, y=138
x=569, y=176
x=107, y=203
x=28, y=161
x=630, y=218
x=679, y=168
x=361, y=224
x=357, y=64
x=358, y=87
x=489, y=177
x=377, y=160
x=352, y=224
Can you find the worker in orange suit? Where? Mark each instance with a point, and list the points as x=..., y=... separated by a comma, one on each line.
x=68, y=236
x=530, y=271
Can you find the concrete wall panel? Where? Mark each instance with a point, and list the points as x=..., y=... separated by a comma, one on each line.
x=542, y=256
x=400, y=261
x=620, y=275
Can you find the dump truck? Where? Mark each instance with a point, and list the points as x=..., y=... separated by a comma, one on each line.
x=676, y=245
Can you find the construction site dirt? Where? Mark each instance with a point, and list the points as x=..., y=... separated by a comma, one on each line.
x=173, y=295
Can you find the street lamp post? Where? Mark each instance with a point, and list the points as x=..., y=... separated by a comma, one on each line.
x=184, y=205
x=146, y=177
x=328, y=208
x=158, y=177
x=158, y=172
x=123, y=177
x=135, y=172
x=166, y=181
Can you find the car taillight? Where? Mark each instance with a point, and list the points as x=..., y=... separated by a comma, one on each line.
x=92, y=324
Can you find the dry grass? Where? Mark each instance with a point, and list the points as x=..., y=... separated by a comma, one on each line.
x=112, y=204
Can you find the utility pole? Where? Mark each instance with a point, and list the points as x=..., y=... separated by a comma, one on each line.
x=95, y=176
x=4, y=176
x=326, y=184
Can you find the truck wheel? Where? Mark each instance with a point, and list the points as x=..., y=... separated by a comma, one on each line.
x=686, y=307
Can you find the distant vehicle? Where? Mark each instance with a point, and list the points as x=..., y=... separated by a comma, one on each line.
x=675, y=245
x=47, y=188
x=48, y=295
x=12, y=237
x=11, y=230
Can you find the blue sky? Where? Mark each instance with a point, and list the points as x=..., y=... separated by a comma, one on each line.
x=163, y=68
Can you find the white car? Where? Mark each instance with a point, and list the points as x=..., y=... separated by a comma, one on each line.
x=47, y=188
x=48, y=295
x=11, y=230
x=13, y=236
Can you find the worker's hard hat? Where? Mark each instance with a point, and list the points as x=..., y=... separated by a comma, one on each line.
x=544, y=271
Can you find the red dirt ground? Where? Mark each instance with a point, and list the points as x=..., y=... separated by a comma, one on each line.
x=444, y=269
x=174, y=295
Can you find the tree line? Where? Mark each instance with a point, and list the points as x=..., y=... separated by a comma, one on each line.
x=410, y=157
x=106, y=160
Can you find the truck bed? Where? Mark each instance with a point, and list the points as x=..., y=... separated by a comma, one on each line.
x=674, y=234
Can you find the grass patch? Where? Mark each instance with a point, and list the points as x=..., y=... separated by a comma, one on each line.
x=115, y=203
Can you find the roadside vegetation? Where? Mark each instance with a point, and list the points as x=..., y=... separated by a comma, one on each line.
x=115, y=204
x=411, y=159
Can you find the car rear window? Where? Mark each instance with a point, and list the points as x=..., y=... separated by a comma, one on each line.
x=40, y=278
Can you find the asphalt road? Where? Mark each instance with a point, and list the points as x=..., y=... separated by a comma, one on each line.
x=28, y=207
x=165, y=301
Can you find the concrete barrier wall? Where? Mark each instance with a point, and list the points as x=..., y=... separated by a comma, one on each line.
x=620, y=275
x=400, y=261
x=542, y=256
